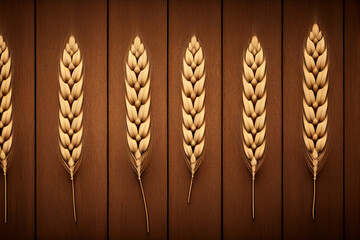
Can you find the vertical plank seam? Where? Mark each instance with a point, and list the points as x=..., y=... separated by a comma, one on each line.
x=282, y=119
x=107, y=119
x=222, y=117
x=35, y=138
x=167, y=119
x=344, y=234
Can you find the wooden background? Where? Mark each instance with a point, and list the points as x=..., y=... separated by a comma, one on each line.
x=236, y=176
x=109, y=203
x=297, y=180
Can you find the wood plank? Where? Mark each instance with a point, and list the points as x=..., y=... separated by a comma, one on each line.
x=56, y=21
x=299, y=18
x=251, y=18
x=126, y=211
x=352, y=116
x=201, y=219
x=17, y=21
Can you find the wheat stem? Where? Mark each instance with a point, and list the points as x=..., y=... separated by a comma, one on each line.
x=5, y=197
x=314, y=200
x=145, y=206
x=73, y=198
x=190, y=188
x=253, y=197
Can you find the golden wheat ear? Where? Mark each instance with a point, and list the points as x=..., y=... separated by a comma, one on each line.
x=193, y=107
x=315, y=103
x=6, y=121
x=71, y=111
x=137, y=101
x=254, y=111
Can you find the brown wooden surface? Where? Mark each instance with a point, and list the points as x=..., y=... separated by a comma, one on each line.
x=251, y=18
x=299, y=17
x=352, y=116
x=17, y=19
x=56, y=21
x=201, y=219
x=126, y=210
x=124, y=216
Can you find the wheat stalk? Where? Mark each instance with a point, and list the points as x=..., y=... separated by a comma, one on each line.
x=315, y=102
x=6, y=121
x=193, y=107
x=71, y=110
x=254, y=111
x=137, y=100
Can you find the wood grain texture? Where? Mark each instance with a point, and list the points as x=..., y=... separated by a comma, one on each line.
x=352, y=116
x=299, y=17
x=16, y=21
x=201, y=219
x=126, y=210
x=251, y=18
x=56, y=21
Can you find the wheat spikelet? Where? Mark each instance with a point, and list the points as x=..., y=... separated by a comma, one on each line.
x=6, y=121
x=137, y=100
x=71, y=110
x=254, y=111
x=315, y=102
x=193, y=110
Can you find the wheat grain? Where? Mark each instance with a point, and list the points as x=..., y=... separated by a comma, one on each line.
x=193, y=110
x=6, y=122
x=315, y=102
x=71, y=110
x=254, y=111
x=137, y=100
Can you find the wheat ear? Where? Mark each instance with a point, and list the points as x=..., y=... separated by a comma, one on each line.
x=193, y=107
x=71, y=110
x=254, y=111
x=6, y=121
x=137, y=100
x=315, y=102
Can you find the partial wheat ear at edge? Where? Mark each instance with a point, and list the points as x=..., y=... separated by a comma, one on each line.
x=254, y=110
x=315, y=103
x=137, y=100
x=6, y=122
x=193, y=107
x=71, y=111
